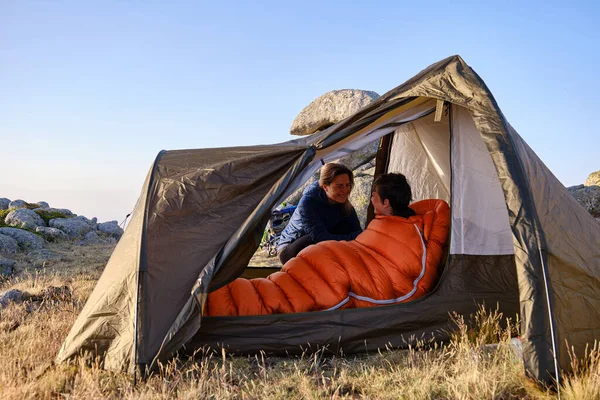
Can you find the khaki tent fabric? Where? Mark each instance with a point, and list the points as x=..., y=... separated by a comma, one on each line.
x=572, y=256
x=200, y=212
x=191, y=204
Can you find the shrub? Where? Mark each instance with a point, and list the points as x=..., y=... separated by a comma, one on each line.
x=48, y=215
x=3, y=214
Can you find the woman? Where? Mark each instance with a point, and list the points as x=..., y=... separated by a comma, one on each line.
x=323, y=213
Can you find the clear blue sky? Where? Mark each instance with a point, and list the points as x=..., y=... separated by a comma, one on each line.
x=91, y=91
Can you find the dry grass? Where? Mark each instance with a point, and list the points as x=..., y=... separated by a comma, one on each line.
x=31, y=334
x=262, y=259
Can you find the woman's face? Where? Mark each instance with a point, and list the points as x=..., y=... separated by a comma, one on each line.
x=339, y=189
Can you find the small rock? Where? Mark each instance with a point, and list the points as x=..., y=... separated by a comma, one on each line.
x=51, y=234
x=593, y=179
x=8, y=244
x=11, y=296
x=111, y=228
x=4, y=202
x=6, y=267
x=17, y=204
x=43, y=204
x=24, y=218
x=26, y=240
x=73, y=227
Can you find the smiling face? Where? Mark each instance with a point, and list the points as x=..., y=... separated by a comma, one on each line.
x=380, y=207
x=339, y=189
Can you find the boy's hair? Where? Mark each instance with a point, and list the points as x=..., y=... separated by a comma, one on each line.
x=395, y=188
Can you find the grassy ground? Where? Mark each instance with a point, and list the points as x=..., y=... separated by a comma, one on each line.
x=32, y=332
x=262, y=259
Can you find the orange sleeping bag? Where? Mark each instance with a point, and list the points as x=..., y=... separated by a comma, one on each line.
x=394, y=260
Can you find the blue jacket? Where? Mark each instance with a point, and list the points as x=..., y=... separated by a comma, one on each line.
x=316, y=217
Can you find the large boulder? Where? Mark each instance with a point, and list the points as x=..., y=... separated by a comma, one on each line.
x=43, y=204
x=361, y=193
x=8, y=244
x=17, y=204
x=6, y=267
x=111, y=228
x=361, y=157
x=24, y=218
x=4, y=202
x=73, y=227
x=588, y=197
x=26, y=240
x=593, y=179
x=51, y=234
x=329, y=109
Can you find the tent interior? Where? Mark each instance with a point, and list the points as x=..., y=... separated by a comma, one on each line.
x=444, y=162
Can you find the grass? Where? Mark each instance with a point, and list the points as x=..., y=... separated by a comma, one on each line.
x=465, y=368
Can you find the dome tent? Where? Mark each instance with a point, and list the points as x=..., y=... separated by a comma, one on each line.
x=519, y=242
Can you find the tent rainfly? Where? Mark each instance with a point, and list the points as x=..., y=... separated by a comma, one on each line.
x=519, y=242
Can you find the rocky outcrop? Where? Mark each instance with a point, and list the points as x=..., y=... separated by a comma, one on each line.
x=24, y=218
x=8, y=245
x=329, y=109
x=588, y=197
x=593, y=179
x=23, y=229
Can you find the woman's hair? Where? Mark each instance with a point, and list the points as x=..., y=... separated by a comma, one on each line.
x=330, y=171
x=395, y=188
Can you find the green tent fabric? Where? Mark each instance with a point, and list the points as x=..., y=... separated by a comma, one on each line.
x=519, y=242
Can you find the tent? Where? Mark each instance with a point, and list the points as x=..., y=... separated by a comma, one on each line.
x=519, y=242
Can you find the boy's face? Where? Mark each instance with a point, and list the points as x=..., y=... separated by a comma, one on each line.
x=381, y=207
